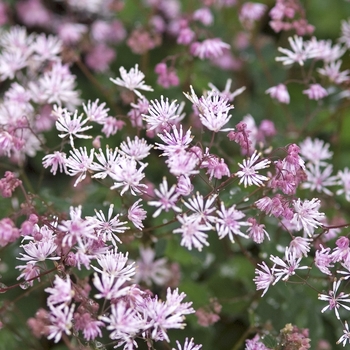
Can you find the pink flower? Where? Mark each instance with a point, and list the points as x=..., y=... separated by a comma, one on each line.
x=188, y=345
x=151, y=270
x=62, y=292
x=335, y=301
x=306, y=215
x=248, y=173
x=192, y=232
x=315, y=92
x=228, y=222
x=132, y=80
x=256, y=231
x=209, y=48
x=136, y=214
x=61, y=321
x=264, y=278
x=56, y=161
x=280, y=93
x=299, y=53
x=167, y=199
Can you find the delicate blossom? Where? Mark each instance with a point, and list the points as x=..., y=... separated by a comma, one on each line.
x=61, y=322
x=136, y=214
x=283, y=269
x=306, y=215
x=188, y=345
x=280, y=93
x=192, y=232
x=248, y=173
x=315, y=92
x=71, y=126
x=344, y=182
x=209, y=48
x=315, y=151
x=132, y=80
x=345, y=338
x=264, y=277
x=128, y=176
x=61, y=293
x=151, y=270
x=335, y=301
x=229, y=222
x=167, y=198
x=298, y=54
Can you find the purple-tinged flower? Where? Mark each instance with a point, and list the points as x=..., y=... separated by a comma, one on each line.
x=162, y=115
x=300, y=246
x=167, y=315
x=250, y=12
x=256, y=231
x=72, y=126
x=136, y=214
x=183, y=163
x=56, y=86
x=323, y=260
x=175, y=140
x=306, y=215
x=71, y=33
x=124, y=322
x=167, y=198
x=264, y=278
x=214, y=111
x=39, y=251
x=298, y=54
x=283, y=269
x=192, y=232
x=126, y=175
x=56, y=160
x=132, y=80
x=318, y=180
x=108, y=227
x=61, y=321
x=76, y=228
x=248, y=173
x=62, y=292
x=342, y=250
x=79, y=162
x=204, y=16
x=216, y=167
x=184, y=185
x=226, y=94
x=315, y=92
x=46, y=48
x=109, y=286
x=335, y=301
x=208, y=48
x=30, y=271
x=89, y=326
x=228, y=222
x=150, y=270
x=8, y=232
x=137, y=149
x=96, y=112
x=333, y=73
x=280, y=93
x=255, y=344
x=115, y=265
x=344, y=181
x=202, y=209
x=315, y=151
x=107, y=163
x=346, y=335
x=189, y=345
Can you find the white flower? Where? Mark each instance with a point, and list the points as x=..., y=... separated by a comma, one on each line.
x=132, y=80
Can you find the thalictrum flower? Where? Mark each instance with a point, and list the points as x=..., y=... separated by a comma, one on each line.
x=248, y=173
x=132, y=80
